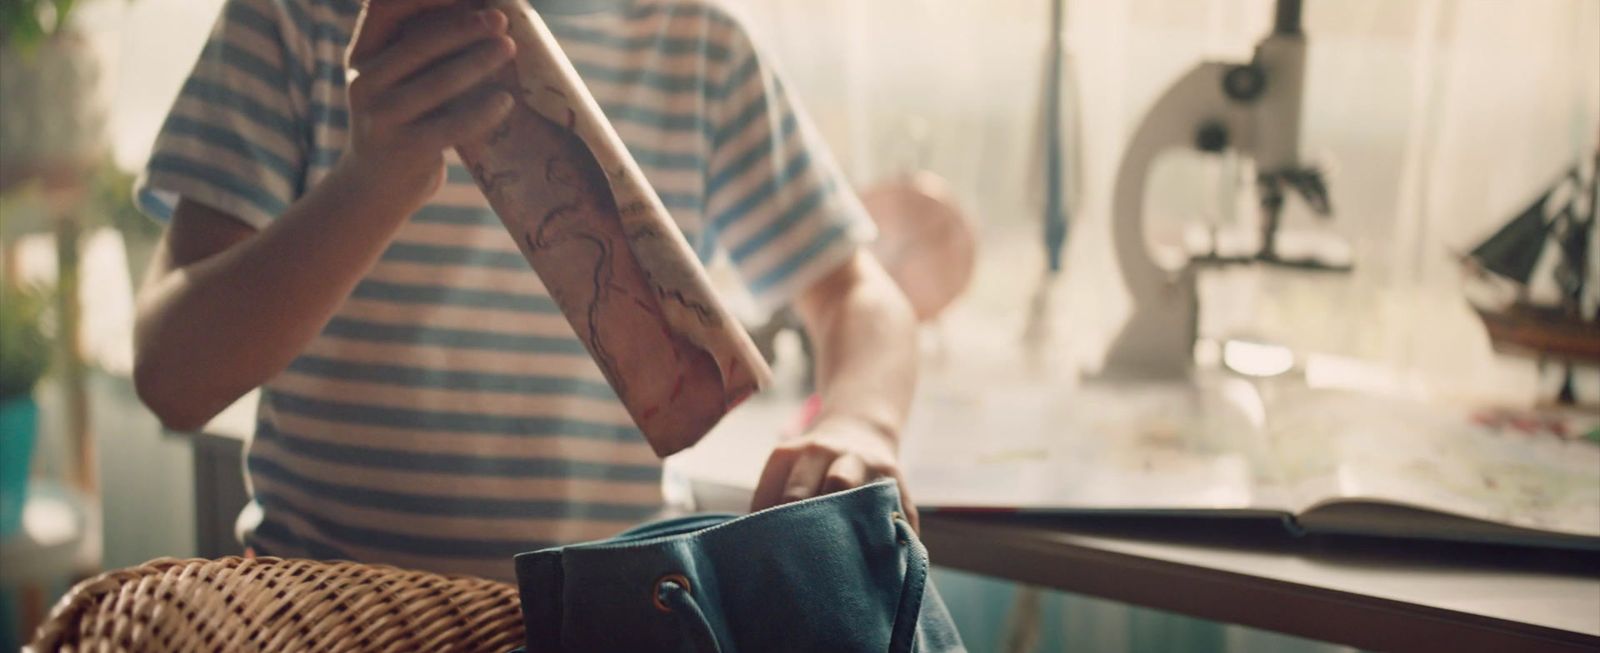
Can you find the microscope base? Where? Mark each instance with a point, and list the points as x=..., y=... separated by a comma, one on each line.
x=1158, y=339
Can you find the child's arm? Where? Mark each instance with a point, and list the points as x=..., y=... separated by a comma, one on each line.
x=866, y=339
x=224, y=307
x=783, y=211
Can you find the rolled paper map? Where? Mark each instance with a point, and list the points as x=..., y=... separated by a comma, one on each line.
x=598, y=236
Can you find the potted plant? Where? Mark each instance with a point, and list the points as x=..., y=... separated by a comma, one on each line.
x=52, y=139
x=52, y=122
x=24, y=355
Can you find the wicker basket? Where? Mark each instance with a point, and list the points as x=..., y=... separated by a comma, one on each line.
x=273, y=604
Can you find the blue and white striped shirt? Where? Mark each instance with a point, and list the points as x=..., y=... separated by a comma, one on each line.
x=447, y=418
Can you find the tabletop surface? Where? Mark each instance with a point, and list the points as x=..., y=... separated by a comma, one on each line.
x=1234, y=572
x=1371, y=594
x=1493, y=586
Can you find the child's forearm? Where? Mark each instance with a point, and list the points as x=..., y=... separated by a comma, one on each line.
x=224, y=309
x=867, y=370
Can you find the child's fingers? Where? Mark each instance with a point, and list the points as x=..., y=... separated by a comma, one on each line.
x=442, y=83
x=469, y=118
x=427, y=39
x=380, y=22
x=773, y=476
x=805, y=478
x=846, y=472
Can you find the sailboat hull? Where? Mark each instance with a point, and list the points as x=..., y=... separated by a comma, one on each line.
x=1541, y=333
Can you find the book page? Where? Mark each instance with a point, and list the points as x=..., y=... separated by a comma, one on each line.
x=1159, y=447
x=1348, y=446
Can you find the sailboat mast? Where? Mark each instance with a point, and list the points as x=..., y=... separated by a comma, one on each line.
x=1575, y=255
x=1586, y=241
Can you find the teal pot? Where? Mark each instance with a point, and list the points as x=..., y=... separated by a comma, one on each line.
x=19, y=429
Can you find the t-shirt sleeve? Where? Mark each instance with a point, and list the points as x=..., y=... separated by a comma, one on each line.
x=235, y=139
x=776, y=202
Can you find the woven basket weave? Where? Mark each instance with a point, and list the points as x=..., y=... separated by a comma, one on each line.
x=273, y=604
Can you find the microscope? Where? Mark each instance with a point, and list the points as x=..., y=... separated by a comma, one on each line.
x=1252, y=109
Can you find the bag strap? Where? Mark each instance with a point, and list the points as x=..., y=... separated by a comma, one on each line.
x=911, y=592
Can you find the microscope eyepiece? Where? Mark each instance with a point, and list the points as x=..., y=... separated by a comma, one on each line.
x=1287, y=18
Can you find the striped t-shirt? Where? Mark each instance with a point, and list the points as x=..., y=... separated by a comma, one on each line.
x=447, y=418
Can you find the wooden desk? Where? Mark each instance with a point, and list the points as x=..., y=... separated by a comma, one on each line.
x=1369, y=593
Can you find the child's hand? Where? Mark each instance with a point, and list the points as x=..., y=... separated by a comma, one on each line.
x=835, y=454
x=418, y=69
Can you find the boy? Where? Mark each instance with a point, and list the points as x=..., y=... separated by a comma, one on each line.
x=424, y=403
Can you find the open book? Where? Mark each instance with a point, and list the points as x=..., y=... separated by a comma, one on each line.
x=1324, y=461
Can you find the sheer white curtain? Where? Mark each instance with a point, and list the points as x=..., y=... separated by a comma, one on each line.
x=1513, y=100
x=1436, y=118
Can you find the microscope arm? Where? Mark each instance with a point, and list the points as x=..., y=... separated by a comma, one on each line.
x=1252, y=108
x=1158, y=338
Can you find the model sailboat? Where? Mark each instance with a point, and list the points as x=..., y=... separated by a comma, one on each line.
x=1560, y=222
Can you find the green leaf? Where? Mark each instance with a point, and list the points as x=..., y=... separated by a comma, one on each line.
x=24, y=346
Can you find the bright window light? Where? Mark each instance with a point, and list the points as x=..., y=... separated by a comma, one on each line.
x=1256, y=358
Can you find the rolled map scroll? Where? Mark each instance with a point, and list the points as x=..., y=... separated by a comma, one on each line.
x=606, y=249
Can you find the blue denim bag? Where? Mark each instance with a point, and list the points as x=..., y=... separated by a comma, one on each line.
x=838, y=573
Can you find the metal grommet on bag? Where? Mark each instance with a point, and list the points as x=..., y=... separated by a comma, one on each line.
x=675, y=579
